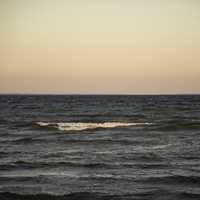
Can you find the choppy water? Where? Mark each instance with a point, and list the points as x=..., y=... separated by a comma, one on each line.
x=100, y=147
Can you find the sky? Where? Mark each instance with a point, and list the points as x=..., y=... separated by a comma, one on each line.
x=100, y=46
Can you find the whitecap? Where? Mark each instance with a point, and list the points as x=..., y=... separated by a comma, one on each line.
x=79, y=126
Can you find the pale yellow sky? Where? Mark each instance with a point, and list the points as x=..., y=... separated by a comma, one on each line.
x=93, y=46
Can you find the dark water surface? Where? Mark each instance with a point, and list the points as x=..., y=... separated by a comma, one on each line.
x=100, y=147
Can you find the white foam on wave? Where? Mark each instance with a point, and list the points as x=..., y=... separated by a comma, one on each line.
x=79, y=126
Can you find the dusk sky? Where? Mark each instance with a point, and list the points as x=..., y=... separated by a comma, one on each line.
x=100, y=46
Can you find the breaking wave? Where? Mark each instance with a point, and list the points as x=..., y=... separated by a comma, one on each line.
x=79, y=126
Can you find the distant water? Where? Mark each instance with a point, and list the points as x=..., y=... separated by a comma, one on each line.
x=100, y=147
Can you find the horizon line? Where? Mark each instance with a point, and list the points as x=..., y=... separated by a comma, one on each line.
x=100, y=94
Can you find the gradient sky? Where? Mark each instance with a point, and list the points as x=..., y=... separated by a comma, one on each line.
x=100, y=46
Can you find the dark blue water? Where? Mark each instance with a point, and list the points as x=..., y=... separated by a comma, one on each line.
x=125, y=147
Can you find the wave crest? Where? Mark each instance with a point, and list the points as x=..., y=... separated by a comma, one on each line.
x=79, y=126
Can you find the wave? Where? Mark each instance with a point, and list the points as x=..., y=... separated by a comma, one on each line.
x=152, y=194
x=25, y=140
x=175, y=179
x=80, y=126
x=35, y=165
x=96, y=165
x=153, y=180
x=74, y=196
x=178, y=124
